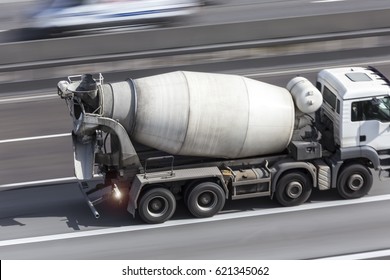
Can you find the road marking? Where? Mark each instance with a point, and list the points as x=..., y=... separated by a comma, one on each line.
x=27, y=98
x=40, y=182
x=13, y=1
x=35, y=138
x=63, y=180
x=172, y=223
x=360, y=256
x=326, y=1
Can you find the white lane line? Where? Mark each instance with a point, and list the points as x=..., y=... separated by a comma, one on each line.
x=40, y=182
x=27, y=98
x=326, y=1
x=63, y=180
x=13, y=1
x=221, y=217
x=360, y=256
x=35, y=138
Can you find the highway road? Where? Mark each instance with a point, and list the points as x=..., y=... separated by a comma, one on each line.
x=52, y=221
x=52, y=224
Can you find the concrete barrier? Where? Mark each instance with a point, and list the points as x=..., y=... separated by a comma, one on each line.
x=29, y=54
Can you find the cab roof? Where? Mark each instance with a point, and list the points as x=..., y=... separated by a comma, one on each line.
x=355, y=82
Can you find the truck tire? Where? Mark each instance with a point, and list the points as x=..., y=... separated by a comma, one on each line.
x=157, y=206
x=293, y=188
x=354, y=181
x=187, y=190
x=205, y=200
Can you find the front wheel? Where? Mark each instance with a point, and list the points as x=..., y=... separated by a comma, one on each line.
x=354, y=181
x=293, y=189
x=157, y=206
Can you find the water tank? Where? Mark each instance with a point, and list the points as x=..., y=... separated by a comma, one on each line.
x=307, y=97
x=202, y=114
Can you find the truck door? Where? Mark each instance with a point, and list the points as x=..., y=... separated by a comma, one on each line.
x=374, y=120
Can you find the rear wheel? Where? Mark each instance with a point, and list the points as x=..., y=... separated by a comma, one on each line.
x=354, y=181
x=293, y=188
x=157, y=206
x=205, y=199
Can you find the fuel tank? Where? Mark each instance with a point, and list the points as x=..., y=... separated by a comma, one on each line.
x=202, y=114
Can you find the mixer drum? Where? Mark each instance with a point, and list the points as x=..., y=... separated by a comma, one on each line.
x=202, y=114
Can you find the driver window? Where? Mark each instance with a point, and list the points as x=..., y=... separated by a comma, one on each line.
x=374, y=109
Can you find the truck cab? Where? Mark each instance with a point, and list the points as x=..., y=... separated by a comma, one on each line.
x=355, y=116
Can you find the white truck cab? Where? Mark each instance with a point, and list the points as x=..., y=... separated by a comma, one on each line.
x=357, y=106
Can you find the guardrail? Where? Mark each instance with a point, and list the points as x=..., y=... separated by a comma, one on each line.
x=78, y=49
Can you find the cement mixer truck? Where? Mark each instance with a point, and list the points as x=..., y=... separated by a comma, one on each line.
x=205, y=138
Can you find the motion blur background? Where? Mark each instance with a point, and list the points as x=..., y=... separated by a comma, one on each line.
x=33, y=19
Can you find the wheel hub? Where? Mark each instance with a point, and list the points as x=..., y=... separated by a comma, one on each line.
x=356, y=182
x=207, y=200
x=158, y=206
x=294, y=189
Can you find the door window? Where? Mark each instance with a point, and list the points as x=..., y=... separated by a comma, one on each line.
x=374, y=109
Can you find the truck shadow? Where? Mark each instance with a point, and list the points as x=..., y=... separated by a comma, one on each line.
x=111, y=212
x=27, y=208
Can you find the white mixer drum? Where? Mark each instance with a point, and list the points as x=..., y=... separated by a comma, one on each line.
x=212, y=115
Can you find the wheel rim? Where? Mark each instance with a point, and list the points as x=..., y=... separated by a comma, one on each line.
x=294, y=189
x=158, y=206
x=355, y=182
x=207, y=200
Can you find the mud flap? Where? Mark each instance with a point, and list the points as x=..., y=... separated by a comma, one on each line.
x=84, y=158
